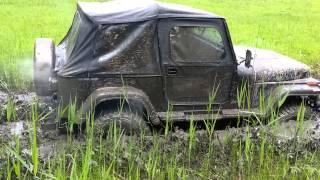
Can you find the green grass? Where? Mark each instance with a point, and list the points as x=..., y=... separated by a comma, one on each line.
x=288, y=26
x=21, y=22
x=190, y=155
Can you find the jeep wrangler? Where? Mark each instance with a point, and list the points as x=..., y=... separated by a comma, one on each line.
x=146, y=59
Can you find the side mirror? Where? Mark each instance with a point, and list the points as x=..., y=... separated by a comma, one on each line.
x=247, y=61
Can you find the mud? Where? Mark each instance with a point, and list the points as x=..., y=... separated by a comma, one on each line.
x=52, y=141
x=20, y=126
x=22, y=103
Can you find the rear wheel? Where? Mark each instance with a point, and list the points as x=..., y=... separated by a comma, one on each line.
x=128, y=122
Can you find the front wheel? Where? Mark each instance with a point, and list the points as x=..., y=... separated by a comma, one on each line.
x=295, y=120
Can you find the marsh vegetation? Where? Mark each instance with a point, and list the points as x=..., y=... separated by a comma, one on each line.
x=193, y=150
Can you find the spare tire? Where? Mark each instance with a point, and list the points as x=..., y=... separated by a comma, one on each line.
x=44, y=62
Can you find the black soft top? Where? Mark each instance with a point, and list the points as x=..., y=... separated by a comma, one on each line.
x=116, y=37
x=125, y=11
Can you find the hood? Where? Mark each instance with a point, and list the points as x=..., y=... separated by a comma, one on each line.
x=269, y=66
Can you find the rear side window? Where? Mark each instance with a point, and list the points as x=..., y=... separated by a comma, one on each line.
x=196, y=44
x=127, y=48
x=73, y=33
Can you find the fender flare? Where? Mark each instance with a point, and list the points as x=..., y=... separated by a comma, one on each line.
x=128, y=93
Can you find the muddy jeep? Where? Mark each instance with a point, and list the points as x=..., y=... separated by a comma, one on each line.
x=150, y=58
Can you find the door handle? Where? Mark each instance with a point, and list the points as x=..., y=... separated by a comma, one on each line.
x=172, y=71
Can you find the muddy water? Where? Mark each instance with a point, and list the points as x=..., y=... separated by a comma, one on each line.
x=52, y=141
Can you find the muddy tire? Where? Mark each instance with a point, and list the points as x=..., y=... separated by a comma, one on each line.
x=128, y=122
x=44, y=61
x=288, y=125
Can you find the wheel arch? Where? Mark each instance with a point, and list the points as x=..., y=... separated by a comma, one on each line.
x=118, y=104
x=112, y=97
x=288, y=94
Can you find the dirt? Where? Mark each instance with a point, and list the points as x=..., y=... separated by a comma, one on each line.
x=22, y=103
x=21, y=126
x=51, y=140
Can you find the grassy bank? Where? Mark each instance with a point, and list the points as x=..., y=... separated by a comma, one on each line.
x=290, y=27
x=21, y=22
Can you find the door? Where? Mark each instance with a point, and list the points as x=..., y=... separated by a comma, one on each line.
x=196, y=62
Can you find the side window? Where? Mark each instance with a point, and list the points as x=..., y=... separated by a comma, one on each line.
x=126, y=48
x=196, y=44
x=73, y=34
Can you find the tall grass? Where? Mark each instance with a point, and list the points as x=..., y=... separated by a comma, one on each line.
x=17, y=164
x=187, y=154
x=183, y=154
x=190, y=155
x=33, y=139
x=11, y=114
